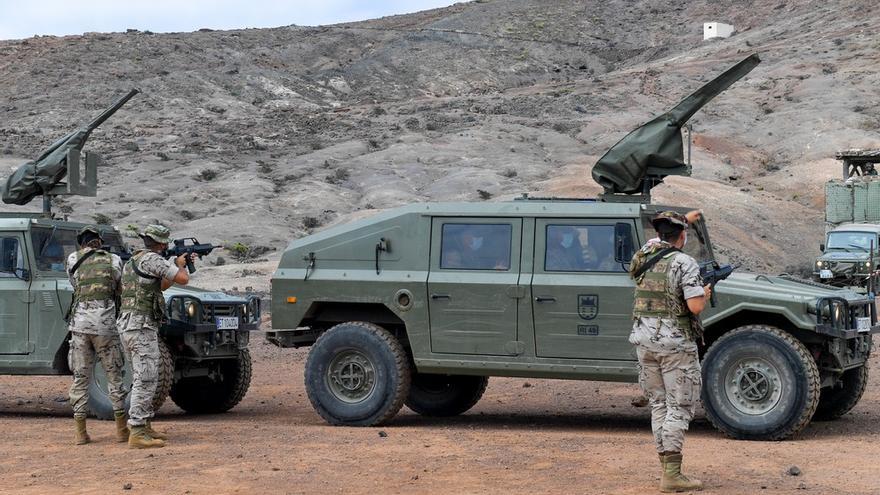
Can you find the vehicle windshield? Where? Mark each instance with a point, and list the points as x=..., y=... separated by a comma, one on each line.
x=851, y=241
x=696, y=242
x=52, y=246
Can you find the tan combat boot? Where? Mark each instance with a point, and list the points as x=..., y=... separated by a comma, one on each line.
x=138, y=439
x=121, y=428
x=673, y=480
x=153, y=433
x=82, y=436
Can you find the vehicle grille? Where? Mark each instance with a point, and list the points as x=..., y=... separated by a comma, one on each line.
x=210, y=311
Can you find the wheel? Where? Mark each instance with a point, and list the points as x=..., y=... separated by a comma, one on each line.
x=99, y=400
x=759, y=383
x=445, y=395
x=357, y=374
x=836, y=401
x=217, y=394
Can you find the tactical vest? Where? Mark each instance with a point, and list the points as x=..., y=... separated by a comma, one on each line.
x=139, y=298
x=94, y=277
x=655, y=298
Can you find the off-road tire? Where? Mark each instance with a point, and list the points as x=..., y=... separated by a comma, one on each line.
x=204, y=395
x=445, y=395
x=834, y=402
x=788, y=370
x=99, y=402
x=357, y=374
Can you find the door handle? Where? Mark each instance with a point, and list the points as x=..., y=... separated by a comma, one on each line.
x=545, y=299
x=440, y=296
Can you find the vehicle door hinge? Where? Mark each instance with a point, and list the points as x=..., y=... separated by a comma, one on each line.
x=516, y=291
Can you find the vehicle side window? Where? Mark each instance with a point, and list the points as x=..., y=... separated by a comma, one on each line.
x=52, y=246
x=580, y=248
x=475, y=246
x=11, y=258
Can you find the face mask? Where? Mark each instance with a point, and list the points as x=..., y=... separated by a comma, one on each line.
x=476, y=243
x=567, y=240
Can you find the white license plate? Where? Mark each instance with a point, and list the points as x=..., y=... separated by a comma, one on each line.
x=227, y=323
x=863, y=324
x=825, y=274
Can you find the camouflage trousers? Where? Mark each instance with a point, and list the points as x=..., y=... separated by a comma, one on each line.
x=671, y=383
x=142, y=348
x=84, y=350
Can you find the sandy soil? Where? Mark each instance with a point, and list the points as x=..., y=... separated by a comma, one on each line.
x=525, y=436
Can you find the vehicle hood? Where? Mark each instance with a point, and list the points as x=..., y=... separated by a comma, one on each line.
x=203, y=295
x=844, y=256
x=782, y=289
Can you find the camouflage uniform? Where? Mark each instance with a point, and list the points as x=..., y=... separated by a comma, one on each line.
x=142, y=313
x=92, y=327
x=665, y=334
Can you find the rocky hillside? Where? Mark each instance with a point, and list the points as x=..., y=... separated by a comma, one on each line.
x=262, y=135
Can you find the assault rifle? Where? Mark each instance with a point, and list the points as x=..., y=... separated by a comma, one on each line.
x=712, y=273
x=180, y=246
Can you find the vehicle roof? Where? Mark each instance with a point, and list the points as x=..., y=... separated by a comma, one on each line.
x=530, y=207
x=857, y=227
x=21, y=221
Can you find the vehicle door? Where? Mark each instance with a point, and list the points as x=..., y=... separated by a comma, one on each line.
x=50, y=286
x=473, y=285
x=582, y=293
x=15, y=297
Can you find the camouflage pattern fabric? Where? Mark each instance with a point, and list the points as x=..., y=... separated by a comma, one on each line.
x=155, y=265
x=94, y=317
x=84, y=349
x=671, y=383
x=669, y=366
x=683, y=281
x=142, y=348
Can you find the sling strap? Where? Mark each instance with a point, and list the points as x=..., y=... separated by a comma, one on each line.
x=653, y=261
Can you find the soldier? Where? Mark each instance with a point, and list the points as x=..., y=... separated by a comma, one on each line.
x=144, y=278
x=95, y=277
x=668, y=297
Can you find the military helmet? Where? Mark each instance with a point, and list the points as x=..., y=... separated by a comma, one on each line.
x=670, y=218
x=90, y=232
x=158, y=233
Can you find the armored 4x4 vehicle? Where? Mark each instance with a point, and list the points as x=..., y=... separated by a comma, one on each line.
x=851, y=250
x=421, y=304
x=205, y=365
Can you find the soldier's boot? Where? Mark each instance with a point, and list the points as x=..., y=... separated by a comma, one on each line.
x=121, y=427
x=153, y=433
x=138, y=439
x=82, y=436
x=673, y=480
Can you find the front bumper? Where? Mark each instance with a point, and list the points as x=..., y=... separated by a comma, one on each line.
x=838, y=317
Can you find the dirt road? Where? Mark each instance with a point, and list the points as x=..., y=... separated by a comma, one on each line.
x=525, y=436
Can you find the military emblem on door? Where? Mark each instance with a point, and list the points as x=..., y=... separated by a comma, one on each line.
x=588, y=306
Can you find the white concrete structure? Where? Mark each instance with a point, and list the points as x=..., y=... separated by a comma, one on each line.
x=716, y=30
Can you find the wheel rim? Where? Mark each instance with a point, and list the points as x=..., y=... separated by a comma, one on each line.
x=753, y=386
x=101, y=383
x=351, y=376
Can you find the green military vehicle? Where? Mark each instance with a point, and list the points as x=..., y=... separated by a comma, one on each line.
x=205, y=365
x=420, y=305
x=851, y=249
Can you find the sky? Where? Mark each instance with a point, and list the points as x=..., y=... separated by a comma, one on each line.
x=26, y=18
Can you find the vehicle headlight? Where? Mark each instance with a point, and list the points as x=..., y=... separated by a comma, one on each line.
x=190, y=308
x=819, y=264
x=245, y=314
x=868, y=264
x=836, y=312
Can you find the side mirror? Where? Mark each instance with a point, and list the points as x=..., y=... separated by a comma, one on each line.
x=623, y=242
x=23, y=273
x=822, y=247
